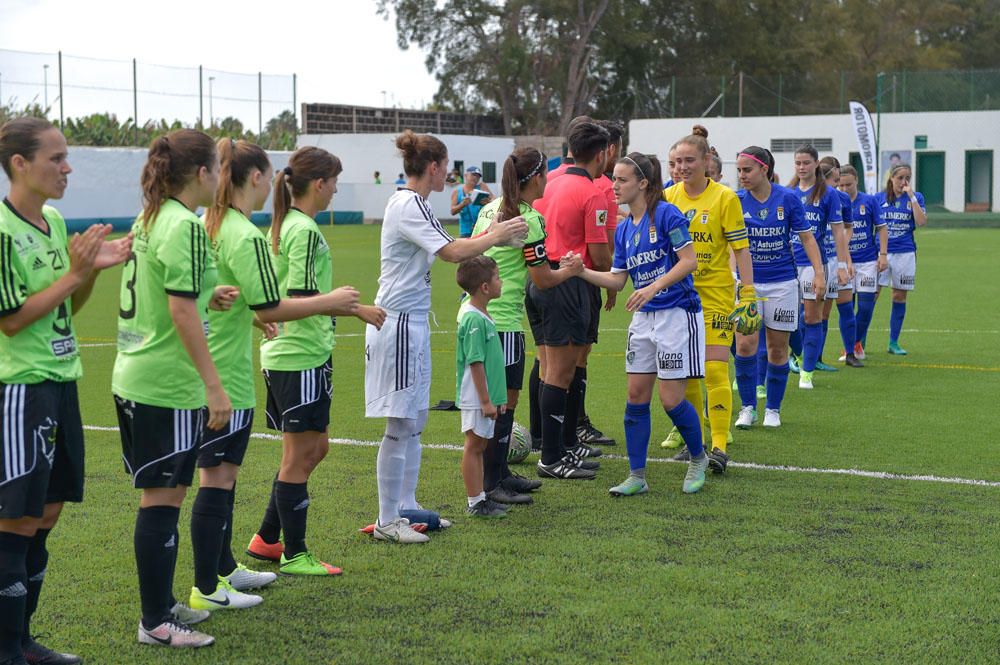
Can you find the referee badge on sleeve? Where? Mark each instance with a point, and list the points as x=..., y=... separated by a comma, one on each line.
x=602, y=217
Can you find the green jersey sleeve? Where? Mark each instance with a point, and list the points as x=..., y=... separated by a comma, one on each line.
x=13, y=290
x=184, y=255
x=302, y=246
x=251, y=264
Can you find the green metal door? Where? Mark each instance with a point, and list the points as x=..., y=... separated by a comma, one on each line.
x=930, y=177
x=859, y=166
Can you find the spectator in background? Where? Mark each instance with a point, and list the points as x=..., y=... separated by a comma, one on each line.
x=378, y=178
x=401, y=180
x=469, y=199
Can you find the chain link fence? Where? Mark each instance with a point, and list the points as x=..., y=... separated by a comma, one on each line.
x=67, y=86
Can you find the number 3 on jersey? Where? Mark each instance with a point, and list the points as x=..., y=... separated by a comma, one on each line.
x=128, y=289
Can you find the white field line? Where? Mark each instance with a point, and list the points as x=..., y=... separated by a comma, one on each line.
x=860, y=473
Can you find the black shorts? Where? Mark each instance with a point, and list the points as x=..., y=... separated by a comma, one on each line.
x=595, y=313
x=560, y=315
x=159, y=445
x=512, y=344
x=228, y=444
x=299, y=401
x=42, y=457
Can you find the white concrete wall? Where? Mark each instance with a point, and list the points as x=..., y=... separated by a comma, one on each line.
x=951, y=133
x=105, y=182
x=363, y=154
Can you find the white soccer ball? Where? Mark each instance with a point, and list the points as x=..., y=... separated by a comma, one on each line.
x=520, y=444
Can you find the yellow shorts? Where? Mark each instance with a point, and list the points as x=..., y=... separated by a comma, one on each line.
x=717, y=304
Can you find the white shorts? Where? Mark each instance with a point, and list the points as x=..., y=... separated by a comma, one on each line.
x=806, y=275
x=669, y=342
x=398, y=366
x=781, y=309
x=865, y=277
x=833, y=287
x=901, y=273
x=481, y=426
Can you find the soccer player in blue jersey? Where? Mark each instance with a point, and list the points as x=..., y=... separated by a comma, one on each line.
x=830, y=167
x=902, y=210
x=868, y=255
x=666, y=339
x=773, y=216
x=823, y=212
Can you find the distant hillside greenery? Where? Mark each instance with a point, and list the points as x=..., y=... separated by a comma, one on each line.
x=105, y=129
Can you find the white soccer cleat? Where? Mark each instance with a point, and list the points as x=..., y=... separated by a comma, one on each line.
x=805, y=380
x=747, y=417
x=224, y=597
x=398, y=531
x=772, y=418
x=243, y=578
x=184, y=614
x=174, y=634
x=842, y=358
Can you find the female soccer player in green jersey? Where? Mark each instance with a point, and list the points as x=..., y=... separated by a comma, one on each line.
x=243, y=257
x=297, y=361
x=164, y=375
x=45, y=278
x=523, y=182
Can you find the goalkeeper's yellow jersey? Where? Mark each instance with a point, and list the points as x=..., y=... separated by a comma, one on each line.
x=715, y=219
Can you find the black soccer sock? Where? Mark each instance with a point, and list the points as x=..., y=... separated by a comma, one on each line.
x=573, y=409
x=293, y=507
x=155, y=559
x=490, y=458
x=503, y=429
x=553, y=403
x=535, y=400
x=208, y=530
x=227, y=564
x=583, y=418
x=270, y=527
x=35, y=563
x=13, y=592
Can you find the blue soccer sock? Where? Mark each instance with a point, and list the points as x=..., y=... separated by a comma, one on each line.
x=822, y=341
x=688, y=423
x=777, y=380
x=795, y=340
x=896, y=320
x=746, y=373
x=848, y=325
x=637, y=429
x=762, y=359
x=810, y=345
x=866, y=307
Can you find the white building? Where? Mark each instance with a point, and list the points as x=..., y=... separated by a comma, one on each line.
x=954, y=154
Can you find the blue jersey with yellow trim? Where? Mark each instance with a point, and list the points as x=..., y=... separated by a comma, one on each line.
x=820, y=216
x=771, y=225
x=898, y=218
x=864, y=222
x=647, y=250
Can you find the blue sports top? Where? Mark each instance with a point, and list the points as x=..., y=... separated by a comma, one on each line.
x=898, y=217
x=771, y=225
x=819, y=216
x=648, y=250
x=864, y=222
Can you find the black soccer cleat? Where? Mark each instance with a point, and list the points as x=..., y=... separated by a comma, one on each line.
x=564, y=470
x=39, y=654
x=590, y=435
x=718, y=461
x=519, y=484
x=851, y=360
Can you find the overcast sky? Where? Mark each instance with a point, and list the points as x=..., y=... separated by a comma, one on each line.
x=340, y=49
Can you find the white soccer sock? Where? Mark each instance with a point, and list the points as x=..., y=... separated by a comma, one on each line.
x=473, y=500
x=389, y=467
x=411, y=470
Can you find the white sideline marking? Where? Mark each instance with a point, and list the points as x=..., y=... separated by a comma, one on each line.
x=861, y=473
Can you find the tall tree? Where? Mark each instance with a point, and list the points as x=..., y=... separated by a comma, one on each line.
x=533, y=61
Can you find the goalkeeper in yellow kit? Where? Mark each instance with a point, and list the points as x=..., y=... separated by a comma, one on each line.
x=716, y=226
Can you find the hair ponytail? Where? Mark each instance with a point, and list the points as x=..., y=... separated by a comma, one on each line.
x=819, y=187
x=236, y=160
x=173, y=161
x=419, y=151
x=304, y=166
x=520, y=167
x=647, y=167
x=890, y=190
